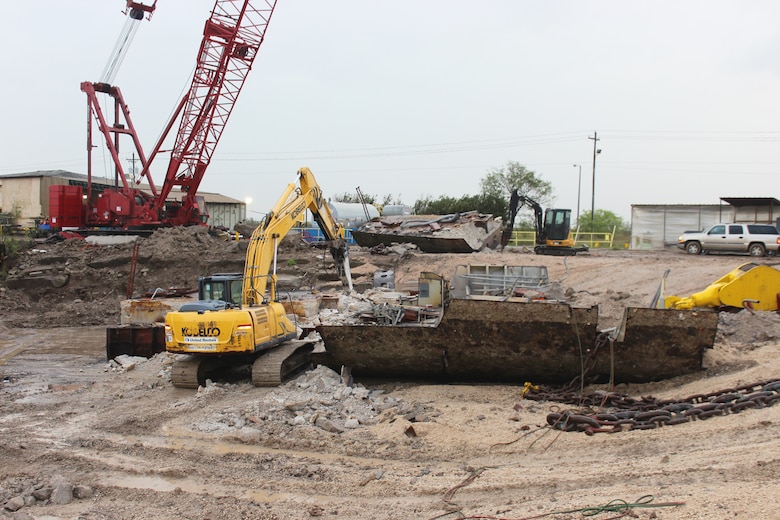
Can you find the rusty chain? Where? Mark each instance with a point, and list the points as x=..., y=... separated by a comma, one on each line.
x=628, y=413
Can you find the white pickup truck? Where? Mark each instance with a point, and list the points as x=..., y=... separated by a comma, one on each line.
x=754, y=239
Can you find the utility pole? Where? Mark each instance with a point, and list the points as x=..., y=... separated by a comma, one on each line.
x=579, y=190
x=595, y=140
x=132, y=162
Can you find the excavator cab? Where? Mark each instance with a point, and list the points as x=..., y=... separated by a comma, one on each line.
x=557, y=224
x=221, y=286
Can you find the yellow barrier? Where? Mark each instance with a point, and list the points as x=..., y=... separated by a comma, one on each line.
x=592, y=240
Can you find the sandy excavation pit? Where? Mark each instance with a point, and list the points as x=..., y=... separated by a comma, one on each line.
x=84, y=438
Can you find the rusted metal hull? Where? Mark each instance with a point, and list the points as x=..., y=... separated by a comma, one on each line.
x=135, y=340
x=501, y=341
x=426, y=244
x=658, y=344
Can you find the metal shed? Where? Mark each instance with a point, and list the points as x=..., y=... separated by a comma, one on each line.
x=760, y=210
x=655, y=226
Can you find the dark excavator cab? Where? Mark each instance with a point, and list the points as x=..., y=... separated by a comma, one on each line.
x=557, y=224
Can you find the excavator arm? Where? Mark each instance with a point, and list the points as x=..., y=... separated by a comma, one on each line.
x=752, y=286
x=260, y=266
x=516, y=201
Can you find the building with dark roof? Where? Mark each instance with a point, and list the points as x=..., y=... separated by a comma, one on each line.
x=26, y=195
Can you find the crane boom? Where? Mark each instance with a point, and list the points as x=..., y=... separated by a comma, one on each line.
x=231, y=38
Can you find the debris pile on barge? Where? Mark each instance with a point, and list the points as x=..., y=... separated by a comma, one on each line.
x=454, y=233
x=515, y=335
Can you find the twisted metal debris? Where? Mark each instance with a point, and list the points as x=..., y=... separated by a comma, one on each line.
x=626, y=413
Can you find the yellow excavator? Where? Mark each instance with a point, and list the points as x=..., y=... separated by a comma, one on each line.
x=750, y=286
x=217, y=335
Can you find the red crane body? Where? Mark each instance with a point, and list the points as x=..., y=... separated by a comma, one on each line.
x=231, y=38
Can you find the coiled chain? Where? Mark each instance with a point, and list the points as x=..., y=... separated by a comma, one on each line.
x=628, y=413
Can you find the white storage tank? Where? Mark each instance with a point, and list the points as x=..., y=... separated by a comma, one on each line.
x=352, y=214
x=396, y=209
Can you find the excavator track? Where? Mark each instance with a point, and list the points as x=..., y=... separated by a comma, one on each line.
x=271, y=368
x=268, y=369
x=190, y=371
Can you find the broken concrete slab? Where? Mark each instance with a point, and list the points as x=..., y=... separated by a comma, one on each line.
x=455, y=233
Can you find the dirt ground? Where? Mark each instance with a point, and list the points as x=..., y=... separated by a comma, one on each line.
x=82, y=438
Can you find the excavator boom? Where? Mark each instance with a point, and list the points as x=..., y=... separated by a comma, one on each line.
x=275, y=225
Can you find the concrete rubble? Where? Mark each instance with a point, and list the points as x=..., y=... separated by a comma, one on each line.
x=26, y=492
x=319, y=399
x=455, y=233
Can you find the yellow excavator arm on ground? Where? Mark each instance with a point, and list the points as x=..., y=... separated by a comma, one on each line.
x=752, y=286
x=261, y=253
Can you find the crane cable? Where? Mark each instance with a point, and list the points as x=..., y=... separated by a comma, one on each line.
x=120, y=47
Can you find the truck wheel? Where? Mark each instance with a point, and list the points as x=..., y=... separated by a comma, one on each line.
x=757, y=250
x=693, y=248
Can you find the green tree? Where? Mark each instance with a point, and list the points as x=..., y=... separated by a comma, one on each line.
x=388, y=200
x=495, y=189
x=499, y=182
x=370, y=199
x=352, y=198
x=482, y=203
x=603, y=222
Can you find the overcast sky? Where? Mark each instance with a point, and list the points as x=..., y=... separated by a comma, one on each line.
x=424, y=97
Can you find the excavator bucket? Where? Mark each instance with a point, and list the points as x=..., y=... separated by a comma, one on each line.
x=758, y=288
x=751, y=285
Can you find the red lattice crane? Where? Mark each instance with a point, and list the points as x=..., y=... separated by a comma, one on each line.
x=231, y=38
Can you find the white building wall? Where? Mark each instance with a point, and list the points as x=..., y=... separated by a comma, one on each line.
x=22, y=196
x=758, y=214
x=658, y=226
x=227, y=215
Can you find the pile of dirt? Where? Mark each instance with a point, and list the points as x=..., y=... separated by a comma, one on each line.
x=82, y=282
x=79, y=283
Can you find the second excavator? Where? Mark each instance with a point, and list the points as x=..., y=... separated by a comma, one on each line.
x=552, y=230
x=216, y=334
